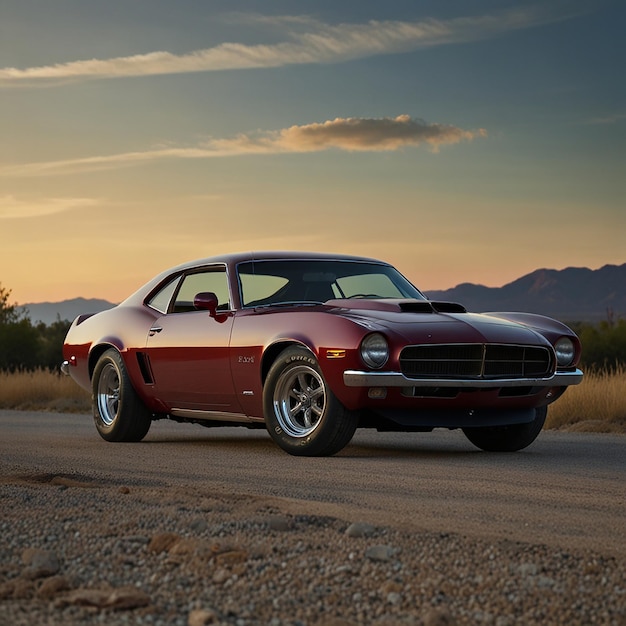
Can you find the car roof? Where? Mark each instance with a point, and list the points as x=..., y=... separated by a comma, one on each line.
x=240, y=257
x=233, y=259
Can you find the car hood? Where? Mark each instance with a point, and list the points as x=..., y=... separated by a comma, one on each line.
x=423, y=321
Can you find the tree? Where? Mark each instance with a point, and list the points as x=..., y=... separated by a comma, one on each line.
x=604, y=344
x=19, y=341
x=9, y=313
x=51, y=339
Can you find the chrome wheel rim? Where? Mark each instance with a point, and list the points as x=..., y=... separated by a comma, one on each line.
x=108, y=394
x=299, y=400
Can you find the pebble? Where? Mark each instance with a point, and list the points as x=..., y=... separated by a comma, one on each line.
x=278, y=523
x=379, y=553
x=160, y=557
x=39, y=563
x=202, y=617
x=360, y=529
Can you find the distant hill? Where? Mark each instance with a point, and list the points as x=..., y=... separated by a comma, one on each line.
x=572, y=294
x=49, y=312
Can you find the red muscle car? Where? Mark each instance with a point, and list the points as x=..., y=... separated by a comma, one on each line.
x=311, y=347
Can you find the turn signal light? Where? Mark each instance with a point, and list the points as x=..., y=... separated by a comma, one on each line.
x=377, y=393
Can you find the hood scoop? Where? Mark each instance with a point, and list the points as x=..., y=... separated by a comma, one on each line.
x=398, y=306
x=426, y=306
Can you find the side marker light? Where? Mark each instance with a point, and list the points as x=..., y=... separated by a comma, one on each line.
x=334, y=353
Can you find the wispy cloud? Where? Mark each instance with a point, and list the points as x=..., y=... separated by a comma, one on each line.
x=347, y=134
x=306, y=41
x=13, y=208
x=608, y=119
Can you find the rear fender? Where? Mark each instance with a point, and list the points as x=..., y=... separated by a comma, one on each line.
x=99, y=348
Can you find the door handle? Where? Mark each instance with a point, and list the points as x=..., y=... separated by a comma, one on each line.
x=154, y=330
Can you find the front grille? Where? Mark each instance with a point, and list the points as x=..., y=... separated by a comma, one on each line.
x=475, y=361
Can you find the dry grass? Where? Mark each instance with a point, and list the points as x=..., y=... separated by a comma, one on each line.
x=42, y=390
x=598, y=404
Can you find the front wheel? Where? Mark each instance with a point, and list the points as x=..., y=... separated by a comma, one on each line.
x=507, y=438
x=302, y=414
x=118, y=412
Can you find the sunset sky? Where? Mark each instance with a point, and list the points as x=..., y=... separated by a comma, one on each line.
x=461, y=141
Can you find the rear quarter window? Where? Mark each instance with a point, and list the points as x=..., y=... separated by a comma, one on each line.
x=161, y=299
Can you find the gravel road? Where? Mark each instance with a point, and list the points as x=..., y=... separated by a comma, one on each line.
x=218, y=526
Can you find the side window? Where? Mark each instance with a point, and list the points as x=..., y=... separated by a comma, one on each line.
x=161, y=299
x=211, y=280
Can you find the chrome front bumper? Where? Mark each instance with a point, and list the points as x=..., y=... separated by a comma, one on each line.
x=354, y=378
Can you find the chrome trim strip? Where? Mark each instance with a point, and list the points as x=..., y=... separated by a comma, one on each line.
x=221, y=416
x=354, y=378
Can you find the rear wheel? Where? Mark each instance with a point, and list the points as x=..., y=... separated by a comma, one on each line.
x=507, y=438
x=302, y=414
x=118, y=412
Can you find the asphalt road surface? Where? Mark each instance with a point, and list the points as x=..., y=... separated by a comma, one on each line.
x=566, y=490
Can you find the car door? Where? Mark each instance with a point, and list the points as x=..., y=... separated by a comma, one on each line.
x=188, y=350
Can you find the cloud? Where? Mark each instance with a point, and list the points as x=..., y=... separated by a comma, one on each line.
x=348, y=134
x=379, y=134
x=12, y=208
x=609, y=119
x=307, y=41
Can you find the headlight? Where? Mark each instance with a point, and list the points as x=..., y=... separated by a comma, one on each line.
x=374, y=350
x=565, y=351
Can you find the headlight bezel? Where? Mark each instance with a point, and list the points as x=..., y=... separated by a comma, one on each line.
x=374, y=350
x=565, y=351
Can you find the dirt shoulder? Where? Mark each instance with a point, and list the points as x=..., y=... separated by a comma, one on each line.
x=76, y=551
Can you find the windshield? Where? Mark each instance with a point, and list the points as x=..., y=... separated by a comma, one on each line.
x=264, y=283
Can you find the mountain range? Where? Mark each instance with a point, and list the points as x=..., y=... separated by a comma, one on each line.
x=50, y=312
x=573, y=294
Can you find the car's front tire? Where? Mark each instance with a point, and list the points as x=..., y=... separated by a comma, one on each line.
x=118, y=412
x=507, y=438
x=302, y=414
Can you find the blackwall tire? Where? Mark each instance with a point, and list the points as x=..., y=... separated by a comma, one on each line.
x=302, y=414
x=118, y=412
x=507, y=438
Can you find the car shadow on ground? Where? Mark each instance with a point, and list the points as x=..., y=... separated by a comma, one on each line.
x=415, y=450
x=416, y=446
x=367, y=443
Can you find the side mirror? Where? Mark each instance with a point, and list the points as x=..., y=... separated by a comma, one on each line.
x=207, y=301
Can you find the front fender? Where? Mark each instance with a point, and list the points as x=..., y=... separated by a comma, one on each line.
x=534, y=321
x=548, y=327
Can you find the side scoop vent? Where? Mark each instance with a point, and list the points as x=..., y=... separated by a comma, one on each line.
x=144, y=367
